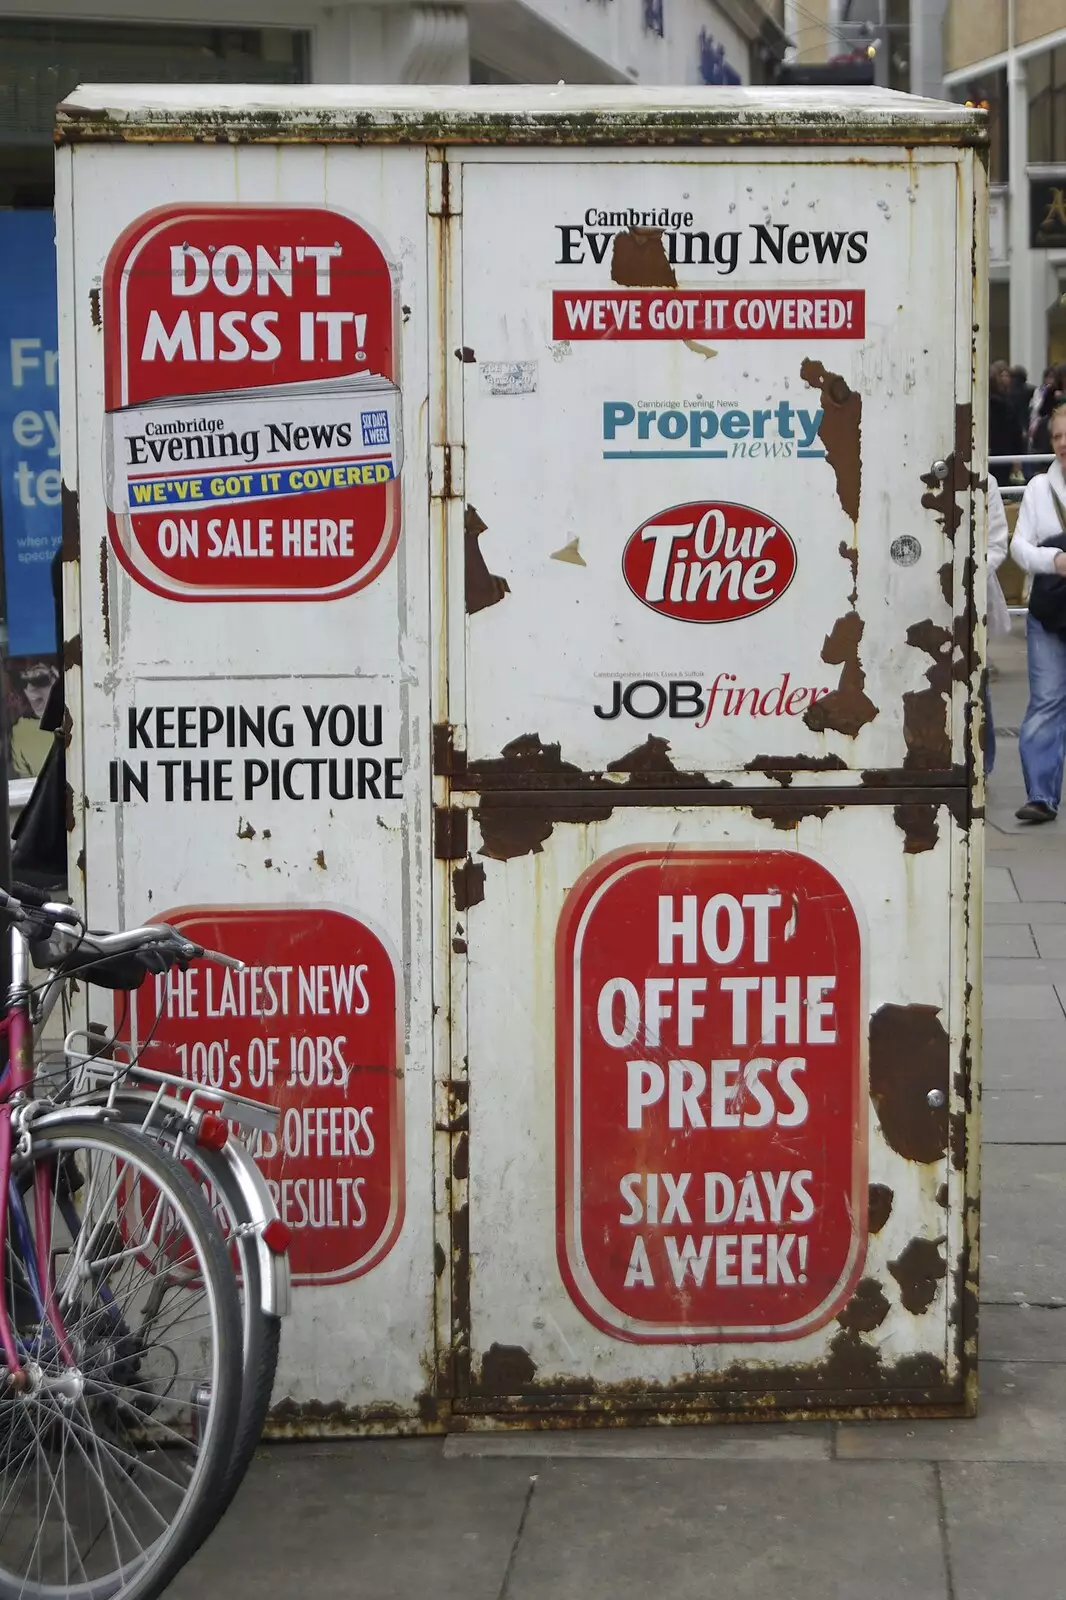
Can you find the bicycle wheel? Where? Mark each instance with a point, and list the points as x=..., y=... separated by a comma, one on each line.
x=261, y=1331
x=112, y=1455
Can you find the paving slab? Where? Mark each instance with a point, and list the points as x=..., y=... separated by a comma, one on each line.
x=1039, y=879
x=1050, y=942
x=1018, y=939
x=1033, y=971
x=1000, y=886
x=1023, y=1224
x=1013, y=1050
x=1035, y=912
x=1022, y=1333
x=605, y=1530
x=1021, y=1001
x=759, y=1442
x=1020, y=1418
x=1024, y=1116
x=1005, y=1530
x=367, y=1518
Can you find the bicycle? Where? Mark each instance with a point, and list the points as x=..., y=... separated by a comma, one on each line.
x=120, y=1324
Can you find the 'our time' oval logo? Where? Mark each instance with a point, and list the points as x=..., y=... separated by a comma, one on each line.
x=709, y=561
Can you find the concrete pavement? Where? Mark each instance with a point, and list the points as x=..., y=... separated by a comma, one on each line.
x=874, y=1511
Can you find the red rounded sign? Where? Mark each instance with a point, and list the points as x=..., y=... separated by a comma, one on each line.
x=253, y=434
x=709, y=561
x=312, y=1026
x=711, y=1095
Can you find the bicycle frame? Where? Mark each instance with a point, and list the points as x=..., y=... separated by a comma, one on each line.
x=17, y=1081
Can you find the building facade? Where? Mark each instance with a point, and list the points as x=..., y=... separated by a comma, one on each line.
x=1011, y=55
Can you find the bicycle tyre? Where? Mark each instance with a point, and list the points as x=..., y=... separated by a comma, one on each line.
x=261, y=1331
x=108, y=1352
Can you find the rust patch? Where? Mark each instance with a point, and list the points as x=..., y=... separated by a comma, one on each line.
x=784, y=817
x=840, y=431
x=947, y=581
x=461, y=1291
x=319, y=1419
x=957, y=1139
x=879, y=1206
x=783, y=768
x=850, y=554
x=699, y=349
x=867, y=1308
x=909, y=1060
x=72, y=652
x=651, y=760
x=459, y=946
x=919, y=827
x=465, y=354
x=639, y=260
x=69, y=524
x=918, y=1271
x=244, y=829
x=105, y=595
x=925, y=711
x=845, y=709
x=80, y=863
x=468, y=884
x=69, y=808
x=94, y=308
x=512, y=827
x=440, y=1261
x=461, y=1158
x=320, y=860
x=506, y=1369
x=942, y=1197
x=483, y=588
x=941, y=496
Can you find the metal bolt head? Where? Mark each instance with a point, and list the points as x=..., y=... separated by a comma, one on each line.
x=935, y=1098
x=939, y=471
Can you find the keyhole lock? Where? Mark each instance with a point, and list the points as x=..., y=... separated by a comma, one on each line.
x=939, y=471
x=935, y=1098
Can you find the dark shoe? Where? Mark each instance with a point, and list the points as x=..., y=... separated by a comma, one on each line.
x=1035, y=811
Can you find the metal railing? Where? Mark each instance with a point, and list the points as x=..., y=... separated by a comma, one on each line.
x=1014, y=491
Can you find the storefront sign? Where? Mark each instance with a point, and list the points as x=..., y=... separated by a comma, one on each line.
x=311, y=1026
x=1047, y=213
x=712, y=1103
x=30, y=491
x=253, y=440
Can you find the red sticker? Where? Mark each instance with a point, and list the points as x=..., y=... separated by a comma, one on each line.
x=710, y=561
x=711, y=1095
x=253, y=432
x=313, y=1026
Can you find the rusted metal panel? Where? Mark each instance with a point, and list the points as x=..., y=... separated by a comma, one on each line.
x=751, y=595
x=526, y=114
x=885, y=1331
x=261, y=764
x=621, y=660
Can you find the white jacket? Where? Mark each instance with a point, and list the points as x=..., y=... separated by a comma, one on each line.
x=998, y=615
x=1038, y=521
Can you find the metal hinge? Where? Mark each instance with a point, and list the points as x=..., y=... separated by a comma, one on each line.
x=447, y=464
x=444, y=194
x=451, y=833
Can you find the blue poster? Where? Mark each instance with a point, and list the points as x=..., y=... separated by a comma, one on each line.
x=29, y=427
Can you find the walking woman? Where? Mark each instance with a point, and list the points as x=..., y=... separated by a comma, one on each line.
x=1042, y=739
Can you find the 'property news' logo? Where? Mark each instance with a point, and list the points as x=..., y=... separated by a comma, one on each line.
x=694, y=429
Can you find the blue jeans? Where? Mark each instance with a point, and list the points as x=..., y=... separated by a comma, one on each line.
x=1042, y=739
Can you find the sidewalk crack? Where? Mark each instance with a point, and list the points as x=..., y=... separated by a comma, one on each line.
x=945, y=1541
x=505, y=1586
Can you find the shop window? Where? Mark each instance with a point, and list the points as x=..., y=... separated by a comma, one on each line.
x=1047, y=107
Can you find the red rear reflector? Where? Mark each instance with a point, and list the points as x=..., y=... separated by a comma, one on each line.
x=276, y=1236
x=212, y=1132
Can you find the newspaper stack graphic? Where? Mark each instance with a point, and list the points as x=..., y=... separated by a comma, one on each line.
x=238, y=446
